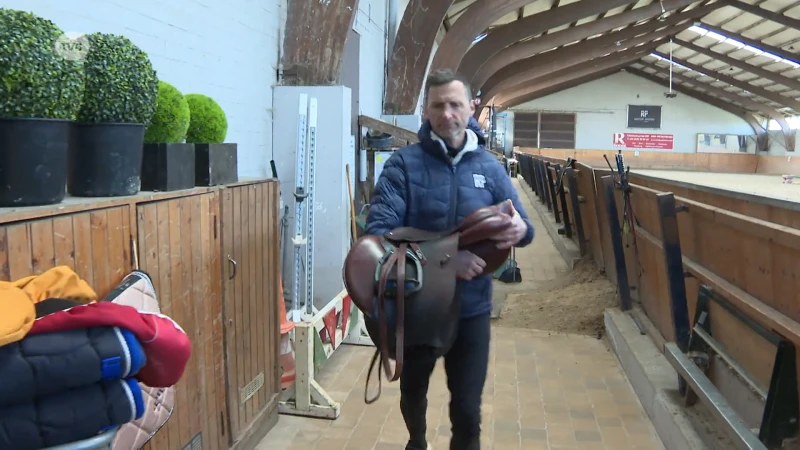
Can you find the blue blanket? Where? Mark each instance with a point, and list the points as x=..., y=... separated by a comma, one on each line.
x=43, y=365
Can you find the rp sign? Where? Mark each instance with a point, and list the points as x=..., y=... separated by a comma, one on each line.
x=644, y=140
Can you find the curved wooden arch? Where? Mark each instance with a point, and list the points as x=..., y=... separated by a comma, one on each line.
x=523, y=50
x=524, y=92
x=575, y=54
x=411, y=53
x=475, y=18
x=532, y=25
x=314, y=41
x=566, y=80
x=761, y=134
x=518, y=68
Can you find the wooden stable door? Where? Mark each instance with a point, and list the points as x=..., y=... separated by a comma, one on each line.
x=96, y=244
x=251, y=258
x=178, y=243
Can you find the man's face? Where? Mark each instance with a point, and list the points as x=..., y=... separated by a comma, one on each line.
x=448, y=109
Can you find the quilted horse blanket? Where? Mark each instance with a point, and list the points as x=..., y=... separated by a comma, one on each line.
x=136, y=290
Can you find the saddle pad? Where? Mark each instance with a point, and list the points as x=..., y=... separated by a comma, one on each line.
x=165, y=343
x=46, y=364
x=70, y=416
x=136, y=290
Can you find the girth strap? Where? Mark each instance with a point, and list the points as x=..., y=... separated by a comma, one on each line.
x=396, y=259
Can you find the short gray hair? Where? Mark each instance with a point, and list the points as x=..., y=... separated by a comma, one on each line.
x=442, y=77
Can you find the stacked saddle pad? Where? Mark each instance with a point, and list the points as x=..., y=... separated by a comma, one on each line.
x=80, y=370
x=66, y=386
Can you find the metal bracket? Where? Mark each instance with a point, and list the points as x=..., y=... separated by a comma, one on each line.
x=781, y=413
x=780, y=419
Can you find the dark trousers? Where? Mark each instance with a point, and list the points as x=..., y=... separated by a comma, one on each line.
x=465, y=364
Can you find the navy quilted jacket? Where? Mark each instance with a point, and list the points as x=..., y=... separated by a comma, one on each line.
x=421, y=187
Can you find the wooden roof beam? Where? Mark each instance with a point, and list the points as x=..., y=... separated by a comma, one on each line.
x=785, y=54
x=530, y=26
x=560, y=87
x=761, y=134
x=411, y=53
x=743, y=65
x=494, y=61
x=476, y=18
x=314, y=41
x=788, y=132
x=525, y=92
x=766, y=14
x=571, y=55
x=744, y=85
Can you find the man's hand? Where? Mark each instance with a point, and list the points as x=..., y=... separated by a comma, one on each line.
x=469, y=265
x=514, y=233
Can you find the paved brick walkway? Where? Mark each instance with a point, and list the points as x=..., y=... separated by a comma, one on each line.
x=544, y=391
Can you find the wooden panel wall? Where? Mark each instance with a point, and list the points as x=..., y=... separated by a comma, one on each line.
x=178, y=246
x=179, y=238
x=769, y=164
x=602, y=225
x=251, y=250
x=745, y=249
x=589, y=212
x=779, y=212
x=95, y=244
x=703, y=162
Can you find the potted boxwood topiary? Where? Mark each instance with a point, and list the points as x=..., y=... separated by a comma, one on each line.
x=216, y=162
x=40, y=93
x=118, y=102
x=168, y=163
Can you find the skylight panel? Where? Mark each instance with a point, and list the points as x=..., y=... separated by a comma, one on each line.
x=742, y=46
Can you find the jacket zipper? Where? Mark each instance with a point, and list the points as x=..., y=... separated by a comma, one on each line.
x=454, y=196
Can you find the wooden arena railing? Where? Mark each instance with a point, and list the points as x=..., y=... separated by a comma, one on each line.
x=716, y=273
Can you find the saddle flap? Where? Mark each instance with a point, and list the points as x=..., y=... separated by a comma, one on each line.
x=429, y=311
x=358, y=271
x=485, y=230
x=502, y=208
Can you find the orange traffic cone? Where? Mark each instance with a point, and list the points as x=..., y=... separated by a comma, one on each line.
x=287, y=351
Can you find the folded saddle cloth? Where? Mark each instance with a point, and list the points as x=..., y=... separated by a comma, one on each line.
x=70, y=416
x=165, y=344
x=51, y=363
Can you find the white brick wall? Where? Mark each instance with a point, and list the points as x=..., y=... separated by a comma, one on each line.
x=682, y=116
x=225, y=49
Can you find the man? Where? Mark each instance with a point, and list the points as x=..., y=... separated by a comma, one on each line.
x=434, y=185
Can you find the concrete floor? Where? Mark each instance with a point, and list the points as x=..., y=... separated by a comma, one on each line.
x=544, y=391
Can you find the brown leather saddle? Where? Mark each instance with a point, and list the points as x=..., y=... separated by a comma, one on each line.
x=405, y=283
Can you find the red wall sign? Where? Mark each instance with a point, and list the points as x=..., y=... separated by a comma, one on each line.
x=644, y=140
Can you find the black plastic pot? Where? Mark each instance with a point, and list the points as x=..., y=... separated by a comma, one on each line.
x=216, y=164
x=105, y=159
x=33, y=161
x=168, y=167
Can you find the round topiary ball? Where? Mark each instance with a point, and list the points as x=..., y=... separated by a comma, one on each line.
x=36, y=80
x=208, y=124
x=121, y=85
x=171, y=120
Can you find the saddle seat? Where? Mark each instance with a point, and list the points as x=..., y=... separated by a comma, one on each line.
x=409, y=275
